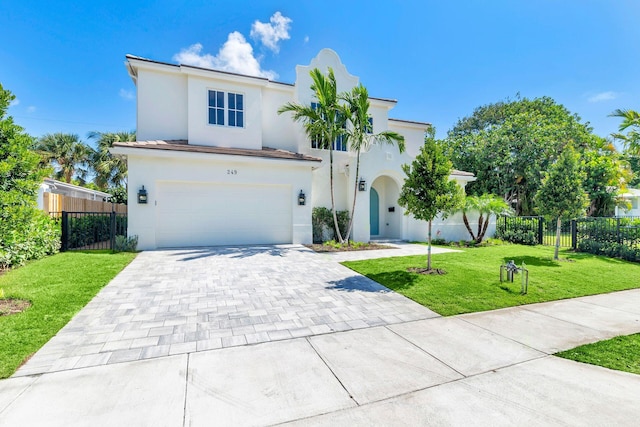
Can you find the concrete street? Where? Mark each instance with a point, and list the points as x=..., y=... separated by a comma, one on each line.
x=262, y=336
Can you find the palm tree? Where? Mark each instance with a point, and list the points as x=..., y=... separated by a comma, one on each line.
x=67, y=153
x=630, y=119
x=361, y=134
x=486, y=205
x=323, y=124
x=110, y=171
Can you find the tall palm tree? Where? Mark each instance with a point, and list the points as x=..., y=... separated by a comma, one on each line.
x=486, y=205
x=324, y=123
x=110, y=171
x=630, y=119
x=68, y=154
x=361, y=136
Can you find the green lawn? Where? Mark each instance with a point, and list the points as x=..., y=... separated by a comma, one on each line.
x=621, y=353
x=472, y=282
x=58, y=287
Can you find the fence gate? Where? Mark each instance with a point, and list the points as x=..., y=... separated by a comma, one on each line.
x=91, y=230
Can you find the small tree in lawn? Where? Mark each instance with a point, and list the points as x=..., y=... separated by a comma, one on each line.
x=427, y=190
x=561, y=194
x=486, y=205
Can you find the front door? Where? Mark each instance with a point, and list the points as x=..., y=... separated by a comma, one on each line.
x=374, y=212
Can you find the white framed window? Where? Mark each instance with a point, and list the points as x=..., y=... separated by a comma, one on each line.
x=226, y=109
x=370, y=127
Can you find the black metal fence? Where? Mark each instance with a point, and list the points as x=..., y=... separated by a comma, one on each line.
x=91, y=230
x=618, y=237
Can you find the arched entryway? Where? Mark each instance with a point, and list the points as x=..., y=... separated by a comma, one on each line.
x=385, y=215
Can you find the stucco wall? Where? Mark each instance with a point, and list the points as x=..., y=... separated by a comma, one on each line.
x=161, y=105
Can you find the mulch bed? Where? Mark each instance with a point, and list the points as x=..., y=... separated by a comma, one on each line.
x=418, y=270
x=361, y=247
x=10, y=306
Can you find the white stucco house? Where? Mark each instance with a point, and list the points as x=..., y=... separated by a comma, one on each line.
x=632, y=195
x=70, y=190
x=221, y=167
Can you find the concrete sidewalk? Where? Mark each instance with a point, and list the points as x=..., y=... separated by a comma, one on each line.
x=490, y=368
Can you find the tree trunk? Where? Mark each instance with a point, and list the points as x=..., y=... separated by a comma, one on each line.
x=480, y=219
x=484, y=229
x=429, y=248
x=355, y=194
x=558, y=229
x=333, y=203
x=466, y=224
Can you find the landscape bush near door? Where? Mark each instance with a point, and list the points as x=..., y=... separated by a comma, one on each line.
x=524, y=231
x=322, y=224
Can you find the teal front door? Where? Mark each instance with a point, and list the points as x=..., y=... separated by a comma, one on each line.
x=374, y=212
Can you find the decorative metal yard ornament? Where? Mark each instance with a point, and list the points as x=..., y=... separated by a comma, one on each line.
x=510, y=269
x=142, y=195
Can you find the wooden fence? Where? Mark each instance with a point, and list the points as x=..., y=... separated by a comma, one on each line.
x=56, y=203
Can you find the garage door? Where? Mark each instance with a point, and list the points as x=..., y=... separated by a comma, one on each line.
x=209, y=214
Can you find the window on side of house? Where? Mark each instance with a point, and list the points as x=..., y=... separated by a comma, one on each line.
x=634, y=203
x=232, y=109
x=216, y=107
x=370, y=127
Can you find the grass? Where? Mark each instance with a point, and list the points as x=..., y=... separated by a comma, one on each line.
x=58, y=287
x=472, y=282
x=620, y=353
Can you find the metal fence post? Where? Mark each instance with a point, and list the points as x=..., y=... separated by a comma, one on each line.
x=540, y=230
x=64, y=238
x=618, y=229
x=112, y=239
x=574, y=234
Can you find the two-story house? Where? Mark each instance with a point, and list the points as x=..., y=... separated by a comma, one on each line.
x=215, y=164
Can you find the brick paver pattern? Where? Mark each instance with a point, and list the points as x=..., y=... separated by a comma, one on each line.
x=182, y=301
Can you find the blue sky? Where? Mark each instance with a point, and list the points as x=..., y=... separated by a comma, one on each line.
x=440, y=59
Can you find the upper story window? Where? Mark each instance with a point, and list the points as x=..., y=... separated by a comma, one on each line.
x=340, y=144
x=232, y=110
x=370, y=127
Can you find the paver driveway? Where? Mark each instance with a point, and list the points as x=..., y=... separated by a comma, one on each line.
x=182, y=301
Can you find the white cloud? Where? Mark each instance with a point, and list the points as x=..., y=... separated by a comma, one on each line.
x=603, y=96
x=31, y=109
x=235, y=55
x=15, y=102
x=126, y=94
x=272, y=32
x=306, y=39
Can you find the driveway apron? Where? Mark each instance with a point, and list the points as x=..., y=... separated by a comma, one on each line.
x=180, y=301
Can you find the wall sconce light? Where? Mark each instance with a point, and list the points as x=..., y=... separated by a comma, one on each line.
x=301, y=199
x=142, y=195
x=362, y=185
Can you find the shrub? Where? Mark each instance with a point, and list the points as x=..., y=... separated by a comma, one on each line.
x=125, y=244
x=518, y=230
x=85, y=230
x=323, y=226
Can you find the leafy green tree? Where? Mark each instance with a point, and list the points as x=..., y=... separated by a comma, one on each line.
x=427, y=190
x=485, y=205
x=323, y=124
x=109, y=171
x=631, y=124
x=360, y=134
x=507, y=144
x=67, y=153
x=606, y=174
x=634, y=167
x=561, y=194
x=25, y=231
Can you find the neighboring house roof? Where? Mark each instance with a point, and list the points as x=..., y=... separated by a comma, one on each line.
x=54, y=186
x=409, y=122
x=461, y=173
x=631, y=193
x=183, y=145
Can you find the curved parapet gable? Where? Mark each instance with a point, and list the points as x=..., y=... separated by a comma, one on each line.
x=326, y=58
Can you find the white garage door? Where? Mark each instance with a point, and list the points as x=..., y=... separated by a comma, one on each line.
x=208, y=214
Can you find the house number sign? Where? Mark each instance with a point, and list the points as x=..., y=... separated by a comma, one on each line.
x=232, y=172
